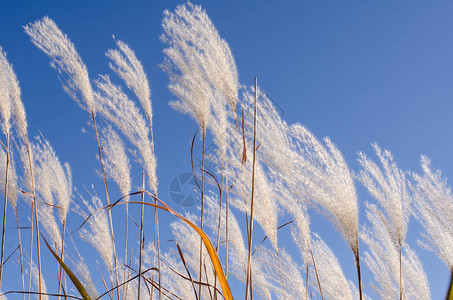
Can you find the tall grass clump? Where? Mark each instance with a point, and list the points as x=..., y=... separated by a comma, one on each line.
x=250, y=236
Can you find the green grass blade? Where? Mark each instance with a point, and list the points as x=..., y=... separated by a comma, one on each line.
x=71, y=275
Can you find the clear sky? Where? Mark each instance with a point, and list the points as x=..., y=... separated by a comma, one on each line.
x=356, y=71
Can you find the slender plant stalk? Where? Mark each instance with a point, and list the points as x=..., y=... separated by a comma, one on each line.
x=249, y=265
x=316, y=272
x=359, y=275
x=157, y=243
x=141, y=237
x=62, y=258
x=401, y=277
x=108, y=199
x=5, y=203
x=125, y=248
x=218, y=234
x=202, y=209
x=21, y=255
x=226, y=234
x=35, y=217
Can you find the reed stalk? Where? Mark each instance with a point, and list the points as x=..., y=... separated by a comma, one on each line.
x=5, y=203
x=125, y=248
x=401, y=277
x=202, y=206
x=316, y=272
x=450, y=289
x=359, y=275
x=62, y=258
x=21, y=254
x=141, y=237
x=250, y=227
x=108, y=199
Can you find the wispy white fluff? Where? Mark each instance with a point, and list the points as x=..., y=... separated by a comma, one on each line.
x=116, y=163
x=114, y=104
x=325, y=177
x=199, y=63
x=35, y=277
x=52, y=179
x=12, y=179
x=282, y=273
x=334, y=284
x=5, y=93
x=171, y=269
x=389, y=187
x=434, y=205
x=98, y=232
x=129, y=68
x=382, y=258
x=73, y=73
x=10, y=89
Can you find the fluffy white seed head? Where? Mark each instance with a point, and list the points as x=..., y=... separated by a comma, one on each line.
x=116, y=107
x=116, y=163
x=98, y=232
x=73, y=73
x=434, y=204
x=12, y=179
x=389, y=187
x=53, y=180
x=333, y=282
x=10, y=84
x=129, y=68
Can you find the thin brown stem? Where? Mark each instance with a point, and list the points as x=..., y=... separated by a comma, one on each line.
x=359, y=275
x=21, y=255
x=249, y=265
x=62, y=258
x=226, y=235
x=107, y=196
x=125, y=247
x=157, y=242
x=316, y=272
x=141, y=237
x=5, y=203
x=202, y=207
x=401, y=277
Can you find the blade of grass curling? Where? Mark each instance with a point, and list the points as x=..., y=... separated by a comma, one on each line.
x=71, y=275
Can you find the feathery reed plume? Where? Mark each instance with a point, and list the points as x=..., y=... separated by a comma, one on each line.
x=282, y=273
x=6, y=95
x=434, y=209
x=125, y=63
x=327, y=182
x=389, y=188
x=333, y=282
x=98, y=234
x=54, y=184
x=46, y=35
x=117, y=167
x=73, y=73
x=416, y=281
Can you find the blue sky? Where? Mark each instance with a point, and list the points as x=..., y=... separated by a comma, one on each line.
x=356, y=71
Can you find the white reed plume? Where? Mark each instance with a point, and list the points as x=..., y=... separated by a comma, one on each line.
x=53, y=180
x=325, y=177
x=415, y=279
x=172, y=268
x=98, y=233
x=114, y=104
x=116, y=163
x=197, y=53
x=5, y=93
x=383, y=257
x=334, y=284
x=129, y=68
x=282, y=273
x=10, y=84
x=73, y=73
x=434, y=205
x=12, y=179
x=389, y=187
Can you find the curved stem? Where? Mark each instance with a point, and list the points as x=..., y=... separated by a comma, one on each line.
x=5, y=204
